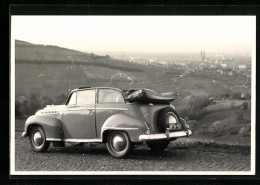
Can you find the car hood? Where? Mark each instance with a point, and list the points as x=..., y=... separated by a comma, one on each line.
x=49, y=108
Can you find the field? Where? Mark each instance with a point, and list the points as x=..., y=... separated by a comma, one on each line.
x=54, y=79
x=48, y=72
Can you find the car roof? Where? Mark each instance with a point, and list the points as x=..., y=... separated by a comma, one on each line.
x=85, y=88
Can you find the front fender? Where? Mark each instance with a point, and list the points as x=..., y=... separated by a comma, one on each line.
x=51, y=126
x=134, y=127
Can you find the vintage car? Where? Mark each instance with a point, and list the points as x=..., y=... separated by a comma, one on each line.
x=118, y=118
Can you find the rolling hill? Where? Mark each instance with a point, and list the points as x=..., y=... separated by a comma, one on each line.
x=51, y=70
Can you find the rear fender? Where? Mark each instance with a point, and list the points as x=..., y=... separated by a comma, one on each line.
x=132, y=126
x=51, y=126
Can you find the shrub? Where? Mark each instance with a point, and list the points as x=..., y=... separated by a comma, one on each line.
x=240, y=117
x=192, y=123
x=46, y=101
x=244, y=106
x=202, y=131
x=248, y=96
x=61, y=99
x=25, y=107
x=29, y=105
x=17, y=108
x=217, y=128
x=233, y=131
x=236, y=96
x=196, y=104
x=223, y=96
x=245, y=131
x=34, y=103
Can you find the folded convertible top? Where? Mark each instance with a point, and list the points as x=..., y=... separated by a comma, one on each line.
x=148, y=96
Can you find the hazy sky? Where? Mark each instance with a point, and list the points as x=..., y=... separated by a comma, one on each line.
x=138, y=33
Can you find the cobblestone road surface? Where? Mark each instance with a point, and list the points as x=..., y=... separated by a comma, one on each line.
x=96, y=158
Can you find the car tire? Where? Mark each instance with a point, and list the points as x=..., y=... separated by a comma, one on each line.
x=162, y=122
x=38, y=139
x=158, y=145
x=118, y=144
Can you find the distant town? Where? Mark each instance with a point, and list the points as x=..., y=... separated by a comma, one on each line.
x=213, y=63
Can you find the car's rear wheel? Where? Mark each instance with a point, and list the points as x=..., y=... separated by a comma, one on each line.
x=158, y=145
x=118, y=144
x=38, y=139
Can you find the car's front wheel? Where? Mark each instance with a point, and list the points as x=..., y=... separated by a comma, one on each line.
x=118, y=144
x=38, y=139
x=158, y=145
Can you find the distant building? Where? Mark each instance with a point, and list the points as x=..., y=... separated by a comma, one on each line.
x=162, y=62
x=202, y=55
x=220, y=71
x=182, y=64
x=152, y=61
x=223, y=65
x=230, y=73
x=242, y=66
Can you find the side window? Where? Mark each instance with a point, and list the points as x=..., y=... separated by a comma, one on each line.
x=86, y=97
x=73, y=99
x=110, y=96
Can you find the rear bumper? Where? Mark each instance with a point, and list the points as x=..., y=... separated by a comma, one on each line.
x=23, y=134
x=169, y=135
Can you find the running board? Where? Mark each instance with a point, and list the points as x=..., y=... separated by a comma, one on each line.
x=76, y=140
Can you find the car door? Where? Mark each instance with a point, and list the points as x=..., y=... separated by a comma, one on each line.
x=79, y=116
x=110, y=102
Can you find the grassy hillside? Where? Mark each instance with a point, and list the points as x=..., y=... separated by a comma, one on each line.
x=52, y=70
x=36, y=52
x=43, y=73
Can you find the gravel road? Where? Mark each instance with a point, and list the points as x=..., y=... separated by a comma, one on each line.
x=96, y=158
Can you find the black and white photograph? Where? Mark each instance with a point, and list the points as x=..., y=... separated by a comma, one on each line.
x=132, y=95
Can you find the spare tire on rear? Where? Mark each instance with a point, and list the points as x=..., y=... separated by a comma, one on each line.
x=162, y=122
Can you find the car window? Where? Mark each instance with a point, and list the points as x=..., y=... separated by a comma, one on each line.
x=110, y=96
x=86, y=97
x=73, y=99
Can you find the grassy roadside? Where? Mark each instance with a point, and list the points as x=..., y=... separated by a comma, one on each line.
x=19, y=123
x=211, y=146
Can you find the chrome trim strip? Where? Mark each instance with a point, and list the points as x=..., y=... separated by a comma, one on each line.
x=50, y=112
x=118, y=128
x=78, y=109
x=111, y=109
x=53, y=139
x=164, y=136
x=83, y=140
x=75, y=140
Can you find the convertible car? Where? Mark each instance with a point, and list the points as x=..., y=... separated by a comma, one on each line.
x=118, y=118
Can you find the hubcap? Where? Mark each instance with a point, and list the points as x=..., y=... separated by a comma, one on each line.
x=119, y=143
x=38, y=138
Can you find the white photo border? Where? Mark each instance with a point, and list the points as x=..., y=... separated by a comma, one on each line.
x=89, y=173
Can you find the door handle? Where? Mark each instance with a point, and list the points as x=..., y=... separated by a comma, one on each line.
x=91, y=111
